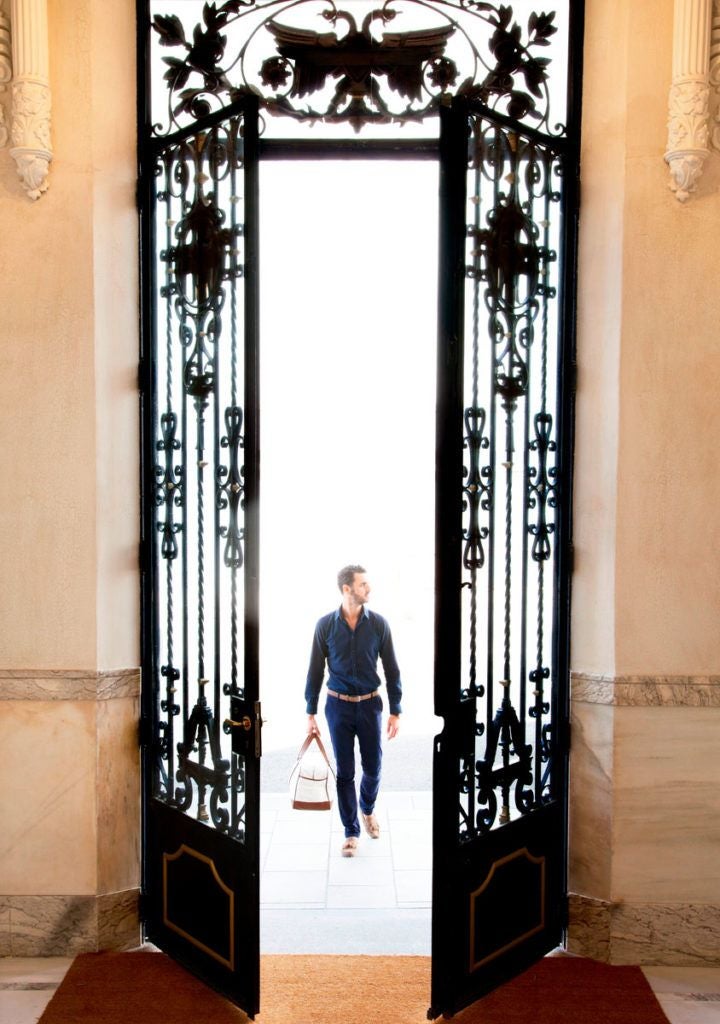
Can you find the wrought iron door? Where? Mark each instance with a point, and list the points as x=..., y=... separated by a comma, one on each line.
x=503, y=507
x=500, y=79
x=201, y=713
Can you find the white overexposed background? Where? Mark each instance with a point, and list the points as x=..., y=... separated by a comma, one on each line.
x=348, y=326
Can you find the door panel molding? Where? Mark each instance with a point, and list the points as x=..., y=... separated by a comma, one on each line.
x=181, y=884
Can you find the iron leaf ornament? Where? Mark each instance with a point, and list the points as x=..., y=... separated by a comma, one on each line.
x=356, y=71
x=514, y=61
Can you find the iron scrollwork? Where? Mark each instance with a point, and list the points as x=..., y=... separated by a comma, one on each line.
x=230, y=488
x=280, y=51
x=169, y=484
x=511, y=237
x=200, y=266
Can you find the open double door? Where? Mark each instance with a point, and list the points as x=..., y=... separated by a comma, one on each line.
x=503, y=442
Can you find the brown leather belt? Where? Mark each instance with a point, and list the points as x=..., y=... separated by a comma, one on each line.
x=353, y=700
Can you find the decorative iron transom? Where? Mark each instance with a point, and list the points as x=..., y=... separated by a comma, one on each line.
x=360, y=64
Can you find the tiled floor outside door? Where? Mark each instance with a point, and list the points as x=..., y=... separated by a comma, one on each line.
x=377, y=901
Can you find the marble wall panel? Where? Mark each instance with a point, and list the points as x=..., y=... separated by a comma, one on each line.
x=667, y=934
x=589, y=927
x=47, y=778
x=4, y=926
x=591, y=800
x=67, y=925
x=118, y=795
x=667, y=806
x=52, y=925
x=118, y=921
x=66, y=684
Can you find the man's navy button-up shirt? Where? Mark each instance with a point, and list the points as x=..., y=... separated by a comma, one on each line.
x=352, y=657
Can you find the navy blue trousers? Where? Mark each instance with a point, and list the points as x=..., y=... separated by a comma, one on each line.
x=346, y=721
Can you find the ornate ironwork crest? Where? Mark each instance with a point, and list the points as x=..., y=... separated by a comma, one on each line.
x=362, y=64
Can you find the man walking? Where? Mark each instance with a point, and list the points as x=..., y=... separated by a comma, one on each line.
x=350, y=640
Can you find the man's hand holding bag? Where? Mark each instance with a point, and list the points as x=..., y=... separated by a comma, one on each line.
x=312, y=780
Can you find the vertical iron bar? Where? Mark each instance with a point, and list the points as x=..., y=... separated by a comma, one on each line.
x=185, y=545
x=529, y=151
x=234, y=199
x=449, y=434
x=146, y=416
x=218, y=716
x=170, y=727
x=251, y=801
x=490, y=701
x=252, y=398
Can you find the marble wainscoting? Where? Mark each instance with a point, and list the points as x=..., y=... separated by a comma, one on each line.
x=70, y=779
x=66, y=925
x=645, y=819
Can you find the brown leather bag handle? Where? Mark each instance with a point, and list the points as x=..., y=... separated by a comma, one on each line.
x=304, y=748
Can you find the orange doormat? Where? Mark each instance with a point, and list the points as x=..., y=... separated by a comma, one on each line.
x=149, y=988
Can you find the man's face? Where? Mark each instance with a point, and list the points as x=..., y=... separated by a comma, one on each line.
x=360, y=589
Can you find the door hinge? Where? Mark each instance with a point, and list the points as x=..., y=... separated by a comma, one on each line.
x=144, y=732
x=565, y=913
x=143, y=907
x=565, y=737
x=142, y=556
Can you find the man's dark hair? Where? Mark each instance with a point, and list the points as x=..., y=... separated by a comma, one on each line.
x=347, y=575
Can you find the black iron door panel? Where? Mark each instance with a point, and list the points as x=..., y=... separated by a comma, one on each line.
x=201, y=714
x=504, y=456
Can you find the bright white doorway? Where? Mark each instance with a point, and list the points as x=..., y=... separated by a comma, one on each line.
x=348, y=318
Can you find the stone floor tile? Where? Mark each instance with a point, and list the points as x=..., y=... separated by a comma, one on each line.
x=414, y=887
x=297, y=857
x=361, y=870
x=361, y=897
x=292, y=888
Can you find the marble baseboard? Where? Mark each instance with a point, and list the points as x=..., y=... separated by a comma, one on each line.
x=589, y=927
x=67, y=925
x=646, y=691
x=658, y=934
x=62, y=684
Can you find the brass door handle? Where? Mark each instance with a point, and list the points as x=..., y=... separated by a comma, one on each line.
x=245, y=724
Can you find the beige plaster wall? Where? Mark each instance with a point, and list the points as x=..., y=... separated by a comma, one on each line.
x=69, y=504
x=68, y=291
x=668, y=585
x=667, y=805
x=48, y=839
x=599, y=333
x=646, y=589
x=115, y=283
x=646, y=596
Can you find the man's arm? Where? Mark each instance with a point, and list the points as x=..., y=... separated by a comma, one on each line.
x=316, y=671
x=391, y=671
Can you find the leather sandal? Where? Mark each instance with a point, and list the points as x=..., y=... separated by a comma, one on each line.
x=349, y=847
x=372, y=825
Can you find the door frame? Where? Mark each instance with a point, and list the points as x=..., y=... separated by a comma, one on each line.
x=445, y=573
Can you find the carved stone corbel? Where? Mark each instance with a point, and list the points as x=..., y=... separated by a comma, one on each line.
x=688, y=123
x=30, y=125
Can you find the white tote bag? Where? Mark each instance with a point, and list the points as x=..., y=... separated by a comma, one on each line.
x=312, y=780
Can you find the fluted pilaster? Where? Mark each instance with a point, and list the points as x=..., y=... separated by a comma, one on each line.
x=688, y=130
x=30, y=127
x=5, y=70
